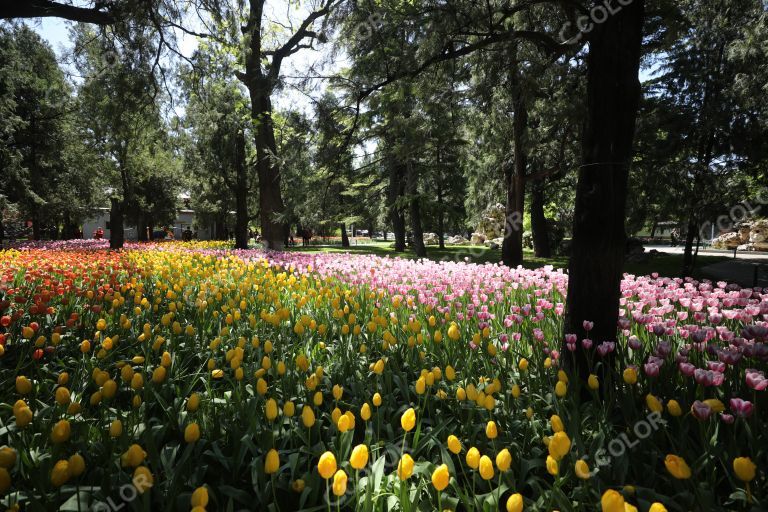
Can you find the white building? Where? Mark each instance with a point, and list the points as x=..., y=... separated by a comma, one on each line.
x=185, y=218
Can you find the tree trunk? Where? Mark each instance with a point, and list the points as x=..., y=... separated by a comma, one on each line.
x=440, y=217
x=116, y=229
x=241, y=193
x=344, y=236
x=141, y=228
x=512, y=246
x=396, y=215
x=690, y=235
x=414, y=207
x=613, y=94
x=539, y=230
x=36, y=227
x=273, y=230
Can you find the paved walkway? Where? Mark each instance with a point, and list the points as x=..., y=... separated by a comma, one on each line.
x=745, y=273
x=740, y=255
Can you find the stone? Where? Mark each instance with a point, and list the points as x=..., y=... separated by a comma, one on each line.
x=431, y=239
x=748, y=236
x=477, y=239
x=457, y=240
x=758, y=231
x=492, y=222
x=728, y=241
x=496, y=241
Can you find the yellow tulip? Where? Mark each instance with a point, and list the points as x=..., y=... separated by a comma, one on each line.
x=365, y=412
x=60, y=473
x=612, y=501
x=515, y=503
x=441, y=477
x=503, y=460
x=559, y=445
x=630, y=376
x=272, y=462
x=491, y=432
x=376, y=399
x=405, y=467
x=326, y=466
x=199, y=497
x=143, y=479
x=674, y=409
x=408, y=420
x=557, y=423
x=23, y=385
x=486, y=467
x=677, y=467
x=115, y=428
x=359, y=457
x=744, y=469
x=133, y=457
x=454, y=445
x=552, y=466
x=339, y=485
x=270, y=409
x=653, y=403
x=657, y=507
x=192, y=433
x=593, y=382
x=7, y=457
x=582, y=469
x=473, y=458
x=61, y=431
x=76, y=465
x=307, y=416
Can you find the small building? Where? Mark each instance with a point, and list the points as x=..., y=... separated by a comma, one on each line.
x=185, y=219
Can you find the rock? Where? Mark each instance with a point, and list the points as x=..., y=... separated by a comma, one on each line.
x=457, y=240
x=496, y=241
x=758, y=231
x=431, y=239
x=492, y=222
x=728, y=241
x=493, y=246
x=477, y=239
x=748, y=236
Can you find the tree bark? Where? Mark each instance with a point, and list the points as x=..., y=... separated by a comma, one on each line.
x=36, y=231
x=261, y=84
x=512, y=246
x=539, y=230
x=440, y=215
x=344, y=236
x=116, y=229
x=613, y=94
x=48, y=8
x=395, y=193
x=241, y=193
x=690, y=235
x=414, y=210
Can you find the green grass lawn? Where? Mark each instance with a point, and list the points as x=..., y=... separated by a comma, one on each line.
x=667, y=265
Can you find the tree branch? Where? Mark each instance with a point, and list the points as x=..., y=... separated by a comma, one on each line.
x=48, y=9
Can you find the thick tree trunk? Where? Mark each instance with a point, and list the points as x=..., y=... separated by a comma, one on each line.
x=539, y=230
x=273, y=230
x=344, y=236
x=613, y=94
x=512, y=246
x=116, y=220
x=414, y=210
x=395, y=193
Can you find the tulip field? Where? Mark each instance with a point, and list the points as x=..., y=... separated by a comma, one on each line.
x=189, y=376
